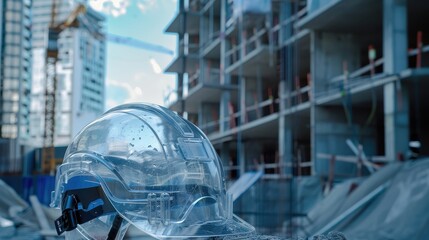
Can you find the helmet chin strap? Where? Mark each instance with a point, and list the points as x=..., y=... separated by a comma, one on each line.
x=115, y=227
x=82, y=205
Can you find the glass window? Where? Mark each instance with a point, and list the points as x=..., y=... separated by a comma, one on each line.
x=17, y=5
x=9, y=118
x=12, y=50
x=13, y=27
x=10, y=83
x=9, y=131
x=11, y=61
x=10, y=5
x=12, y=38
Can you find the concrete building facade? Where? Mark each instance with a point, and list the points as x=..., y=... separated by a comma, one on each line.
x=329, y=89
x=80, y=71
x=15, y=80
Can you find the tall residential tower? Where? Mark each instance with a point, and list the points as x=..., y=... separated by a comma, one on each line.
x=80, y=71
x=15, y=81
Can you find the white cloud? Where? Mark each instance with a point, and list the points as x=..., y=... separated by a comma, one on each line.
x=153, y=86
x=115, y=8
x=140, y=86
x=145, y=5
x=155, y=66
x=122, y=92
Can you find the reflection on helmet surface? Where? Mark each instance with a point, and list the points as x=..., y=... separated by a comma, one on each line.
x=149, y=167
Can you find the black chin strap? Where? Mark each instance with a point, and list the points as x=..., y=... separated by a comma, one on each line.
x=115, y=227
x=76, y=209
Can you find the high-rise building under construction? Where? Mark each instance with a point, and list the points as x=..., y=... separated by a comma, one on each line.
x=80, y=71
x=324, y=88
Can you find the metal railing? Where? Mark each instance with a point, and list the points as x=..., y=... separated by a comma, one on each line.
x=300, y=94
x=279, y=30
x=211, y=76
x=187, y=47
x=272, y=170
x=262, y=109
x=247, y=46
x=366, y=74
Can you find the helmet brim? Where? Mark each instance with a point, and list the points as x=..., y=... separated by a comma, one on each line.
x=230, y=227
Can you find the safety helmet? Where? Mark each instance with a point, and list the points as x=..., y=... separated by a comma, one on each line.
x=144, y=165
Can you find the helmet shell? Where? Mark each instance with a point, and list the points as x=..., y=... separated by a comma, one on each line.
x=158, y=170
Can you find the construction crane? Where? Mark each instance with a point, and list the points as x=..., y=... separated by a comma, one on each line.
x=73, y=21
x=51, y=59
x=138, y=44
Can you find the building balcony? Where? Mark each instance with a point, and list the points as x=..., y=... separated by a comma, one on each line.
x=192, y=22
x=372, y=76
x=296, y=100
x=254, y=56
x=188, y=49
x=205, y=87
x=257, y=120
x=183, y=64
x=211, y=48
x=343, y=16
x=265, y=127
x=210, y=29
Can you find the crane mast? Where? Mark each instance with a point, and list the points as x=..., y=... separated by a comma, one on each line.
x=48, y=152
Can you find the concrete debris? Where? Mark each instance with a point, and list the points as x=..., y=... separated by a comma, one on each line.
x=18, y=219
x=398, y=211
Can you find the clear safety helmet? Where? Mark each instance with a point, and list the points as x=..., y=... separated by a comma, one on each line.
x=144, y=165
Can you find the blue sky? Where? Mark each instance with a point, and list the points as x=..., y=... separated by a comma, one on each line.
x=133, y=74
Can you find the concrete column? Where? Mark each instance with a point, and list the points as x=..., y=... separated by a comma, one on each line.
x=285, y=131
x=285, y=144
x=224, y=111
x=395, y=44
x=285, y=13
x=242, y=103
x=224, y=78
x=396, y=122
x=180, y=76
x=241, y=152
x=241, y=156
